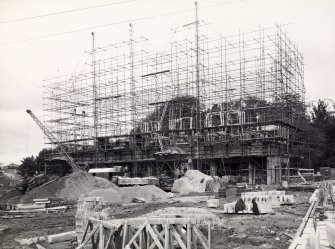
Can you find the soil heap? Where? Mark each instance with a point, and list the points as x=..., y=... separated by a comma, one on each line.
x=147, y=192
x=126, y=194
x=69, y=187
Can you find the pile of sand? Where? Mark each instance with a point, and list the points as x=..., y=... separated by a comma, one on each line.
x=79, y=183
x=69, y=187
x=147, y=192
x=126, y=194
x=110, y=195
x=195, y=181
x=36, y=193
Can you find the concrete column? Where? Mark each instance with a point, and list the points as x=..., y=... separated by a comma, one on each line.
x=251, y=174
x=149, y=169
x=273, y=167
x=135, y=169
x=254, y=174
x=213, y=168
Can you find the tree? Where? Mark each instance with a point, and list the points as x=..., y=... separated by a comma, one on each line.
x=322, y=136
x=40, y=159
x=321, y=116
x=28, y=166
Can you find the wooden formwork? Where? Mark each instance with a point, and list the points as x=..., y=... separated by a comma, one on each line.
x=146, y=233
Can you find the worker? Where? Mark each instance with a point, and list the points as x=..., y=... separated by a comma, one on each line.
x=190, y=163
x=254, y=206
x=126, y=172
x=239, y=206
x=258, y=188
x=177, y=172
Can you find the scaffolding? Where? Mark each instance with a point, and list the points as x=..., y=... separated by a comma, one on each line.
x=197, y=93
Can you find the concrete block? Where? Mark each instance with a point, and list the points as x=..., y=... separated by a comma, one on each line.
x=213, y=203
x=60, y=237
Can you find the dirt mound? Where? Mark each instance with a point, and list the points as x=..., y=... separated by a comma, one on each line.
x=110, y=195
x=36, y=193
x=126, y=194
x=72, y=186
x=11, y=196
x=77, y=183
x=69, y=187
x=148, y=193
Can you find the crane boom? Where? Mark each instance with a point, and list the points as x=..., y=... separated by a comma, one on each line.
x=54, y=141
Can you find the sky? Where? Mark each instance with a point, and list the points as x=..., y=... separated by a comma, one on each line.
x=31, y=53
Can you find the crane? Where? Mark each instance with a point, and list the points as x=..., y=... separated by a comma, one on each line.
x=54, y=141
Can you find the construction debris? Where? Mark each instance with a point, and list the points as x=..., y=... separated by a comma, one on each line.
x=317, y=227
x=38, y=246
x=195, y=181
x=35, y=210
x=30, y=241
x=34, y=181
x=60, y=237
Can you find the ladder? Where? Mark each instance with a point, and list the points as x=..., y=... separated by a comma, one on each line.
x=60, y=149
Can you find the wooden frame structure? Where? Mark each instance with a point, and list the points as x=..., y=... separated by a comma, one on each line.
x=146, y=233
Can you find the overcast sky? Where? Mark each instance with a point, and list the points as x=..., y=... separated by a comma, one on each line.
x=24, y=65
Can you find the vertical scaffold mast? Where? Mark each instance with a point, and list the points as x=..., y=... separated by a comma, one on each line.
x=198, y=119
x=133, y=92
x=95, y=121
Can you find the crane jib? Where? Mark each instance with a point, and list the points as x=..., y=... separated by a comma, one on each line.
x=54, y=141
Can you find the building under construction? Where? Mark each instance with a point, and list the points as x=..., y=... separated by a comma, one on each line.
x=224, y=105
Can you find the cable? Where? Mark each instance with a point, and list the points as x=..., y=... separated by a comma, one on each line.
x=115, y=23
x=64, y=12
x=27, y=134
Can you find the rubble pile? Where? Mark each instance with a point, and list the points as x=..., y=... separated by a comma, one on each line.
x=195, y=181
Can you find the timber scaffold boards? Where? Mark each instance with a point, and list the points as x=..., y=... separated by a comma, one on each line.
x=146, y=233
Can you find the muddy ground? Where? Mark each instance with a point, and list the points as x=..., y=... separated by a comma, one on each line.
x=239, y=231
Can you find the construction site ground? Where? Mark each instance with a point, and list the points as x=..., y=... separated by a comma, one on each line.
x=237, y=231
